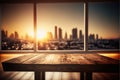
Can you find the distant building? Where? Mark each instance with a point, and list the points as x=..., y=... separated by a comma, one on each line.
x=92, y=38
x=16, y=35
x=80, y=35
x=70, y=37
x=12, y=36
x=56, y=33
x=74, y=34
x=66, y=36
x=60, y=34
x=4, y=34
x=97, y=37
x=49, y=36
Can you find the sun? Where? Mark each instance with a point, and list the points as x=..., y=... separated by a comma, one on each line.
x=31, y=34
x=41, y=34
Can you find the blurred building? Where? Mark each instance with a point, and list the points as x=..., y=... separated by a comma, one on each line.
x=12, y=36
x=56, y=33
x=60, y=34
x=16, y=35
x=97, y=37
x=4, y=34
x=74, y=34
x=92, y=38
x=49, y=36
x=66, y=36
x=80, y=35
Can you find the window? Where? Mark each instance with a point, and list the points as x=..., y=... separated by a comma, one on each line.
x=17, y=27
x=60, y=26
x=103, y=26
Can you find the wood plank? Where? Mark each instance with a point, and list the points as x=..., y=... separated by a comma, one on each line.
x=46, y=59
x=70, y=76
x=62, y=67
x=63, y=62
x=21, y=59
x=35, y=59
x=98, y=59
x=63, y=59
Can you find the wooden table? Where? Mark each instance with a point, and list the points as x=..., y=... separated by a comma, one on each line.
x=83, y=63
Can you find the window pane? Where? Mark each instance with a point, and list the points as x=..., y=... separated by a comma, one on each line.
x=17, y=26
x=60, y=26
x=103, y=26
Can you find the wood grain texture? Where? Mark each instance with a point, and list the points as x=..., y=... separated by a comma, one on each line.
x=62, y=63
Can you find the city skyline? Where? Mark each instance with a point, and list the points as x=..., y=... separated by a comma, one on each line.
x=56, y=42
x=64, y=15
x=76, y=34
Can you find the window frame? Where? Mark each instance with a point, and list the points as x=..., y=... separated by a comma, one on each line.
x=86, y=26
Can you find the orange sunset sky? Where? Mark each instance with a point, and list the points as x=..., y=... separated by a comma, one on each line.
x=103, y=18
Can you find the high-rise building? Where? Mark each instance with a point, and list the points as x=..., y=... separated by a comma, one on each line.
x=70, y=37
x=60, y=33
x=56, y=32
x=92, y=37
x=16, y=35
x=97, y=37
x=12, y=36
x=74, y=34
x=4, y=34
x=80, y=35
x=66, y=36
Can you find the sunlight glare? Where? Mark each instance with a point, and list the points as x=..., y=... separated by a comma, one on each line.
x=41, y=34
x=31, y=34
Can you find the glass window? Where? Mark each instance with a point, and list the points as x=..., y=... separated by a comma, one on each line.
x=60, y=26
x=103, y=26
x=17, y=26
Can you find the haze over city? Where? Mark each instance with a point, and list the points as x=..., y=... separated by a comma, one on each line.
x=103, y=18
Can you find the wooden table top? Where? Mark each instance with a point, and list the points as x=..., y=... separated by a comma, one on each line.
x=63, y=59
x=61, y=62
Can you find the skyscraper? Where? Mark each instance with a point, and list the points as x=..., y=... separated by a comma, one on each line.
x=12, y=36
x=4, y=35
x=74, y=34
x=56, y=32
x=60, y=33
x=97, y=37
x=70, y=37
x=80, y=35
x=65, y=35
x=92, y=37
x=16, y=35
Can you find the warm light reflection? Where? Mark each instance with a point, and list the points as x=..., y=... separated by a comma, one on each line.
x=111, y=55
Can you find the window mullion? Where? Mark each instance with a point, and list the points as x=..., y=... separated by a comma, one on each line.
x=86, y=26
x=35, y=26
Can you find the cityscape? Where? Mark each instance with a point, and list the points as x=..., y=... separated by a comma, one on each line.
x=58, y=41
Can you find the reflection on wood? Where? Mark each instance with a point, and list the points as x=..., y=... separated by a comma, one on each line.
x=56, y=76
x=69, y=59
